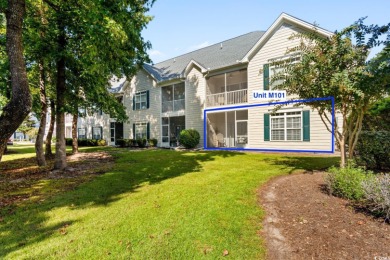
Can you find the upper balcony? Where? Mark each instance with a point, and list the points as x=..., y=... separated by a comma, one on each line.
x=173, y=98
x=227, y=89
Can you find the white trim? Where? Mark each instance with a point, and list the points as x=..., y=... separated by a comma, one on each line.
x=282, y=19
x=190, y=65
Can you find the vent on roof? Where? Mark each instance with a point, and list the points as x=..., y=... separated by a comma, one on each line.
x=174, y=60
x=221, y=46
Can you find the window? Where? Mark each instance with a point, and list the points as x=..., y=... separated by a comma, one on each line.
x=141, y=130
x=140, y=100
x=81, y=133
x=96, y=133
x=277, y=66
x=286, y=126
x=173, y=98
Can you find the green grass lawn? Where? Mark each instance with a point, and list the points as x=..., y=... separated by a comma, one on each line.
x=155, y=204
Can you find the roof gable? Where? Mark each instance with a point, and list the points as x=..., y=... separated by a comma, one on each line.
x=283, y=18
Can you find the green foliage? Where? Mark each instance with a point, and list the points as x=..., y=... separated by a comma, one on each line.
x=86, y=142
x=377, y=195
x=377, y=117
x=152, y=142
x=189, y=138
x=347, y=182
x=373, y=150
x=134, y=143
x=141, y=142
x=27, y=125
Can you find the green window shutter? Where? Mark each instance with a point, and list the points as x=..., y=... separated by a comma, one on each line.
x=266, y=76
x=306, y=125
x=266, y=127
x=133, y=131
x=147, y=99
x=134, y=102
x=148, y=131
x=101, y=132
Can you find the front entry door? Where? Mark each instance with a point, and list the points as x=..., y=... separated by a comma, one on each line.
x=116, y=132
x=112, y=133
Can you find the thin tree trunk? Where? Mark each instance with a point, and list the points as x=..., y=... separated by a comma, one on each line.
x=42, y=124
x=49, y=136
x=343, y=156
x=75, y=146
x=20, y=103
x=60, y=157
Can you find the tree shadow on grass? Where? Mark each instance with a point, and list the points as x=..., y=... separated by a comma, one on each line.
x=132, y=170
x=293, y=163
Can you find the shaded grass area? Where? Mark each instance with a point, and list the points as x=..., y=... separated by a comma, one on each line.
x=154, y=204
x=23, y=182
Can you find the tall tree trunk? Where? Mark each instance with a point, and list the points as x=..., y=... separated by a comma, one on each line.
x=75, y=146
x=20, y=103
x=42, y=124
x=60, y=157
x=49, y=136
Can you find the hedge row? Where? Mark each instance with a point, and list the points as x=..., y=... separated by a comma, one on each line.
x=136, y=142
x=87, y=142
x=373, y=150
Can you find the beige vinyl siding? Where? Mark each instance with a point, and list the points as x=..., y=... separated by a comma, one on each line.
x=276, y=46
x=320, y=138
x=195, y=98
x=143, y=82
x=95, y=120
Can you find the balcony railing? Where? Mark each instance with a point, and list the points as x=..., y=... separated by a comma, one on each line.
x=176, y=105
x=227, y=98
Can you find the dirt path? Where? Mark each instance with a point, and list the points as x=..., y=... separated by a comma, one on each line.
x=303, y=222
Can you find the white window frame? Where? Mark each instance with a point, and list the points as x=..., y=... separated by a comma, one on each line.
x=140, y=134
x=140, y=103
x=78, y=133
x=93, y=132
x=285, y=115
x=275, y=69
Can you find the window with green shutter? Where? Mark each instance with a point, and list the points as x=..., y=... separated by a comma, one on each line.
x=266, y=127
x=266, y=76
x=141, y=100
x=306, y=125
x=287, y=126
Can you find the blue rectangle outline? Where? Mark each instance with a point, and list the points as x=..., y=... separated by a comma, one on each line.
x=205, y=111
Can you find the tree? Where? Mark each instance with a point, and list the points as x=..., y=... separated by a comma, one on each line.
x=19, y=105
x=337, y=67
x=104, y=38
x=27, y=126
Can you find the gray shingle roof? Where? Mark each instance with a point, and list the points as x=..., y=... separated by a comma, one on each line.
x=117, y=89
x=212, y=57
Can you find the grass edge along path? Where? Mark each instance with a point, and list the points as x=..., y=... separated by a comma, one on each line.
x=155, y=204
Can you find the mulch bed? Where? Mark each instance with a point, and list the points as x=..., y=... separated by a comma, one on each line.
x=303, y=222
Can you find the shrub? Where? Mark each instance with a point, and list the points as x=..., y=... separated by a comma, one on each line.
x=347, y=182
x=141, y=142
x=101, y=142
x=68, y=141
x=86, y=142
x=377, y=194
x=189, y=138
x=152, y=142
x=373, y=150
x=121, y=142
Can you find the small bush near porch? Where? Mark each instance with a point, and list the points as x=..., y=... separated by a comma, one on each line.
x=152, y=204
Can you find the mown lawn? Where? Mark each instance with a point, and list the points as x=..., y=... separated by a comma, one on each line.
x=155, y=204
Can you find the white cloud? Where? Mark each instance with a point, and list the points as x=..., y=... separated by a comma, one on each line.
x=155, y=53
x=199, y=46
